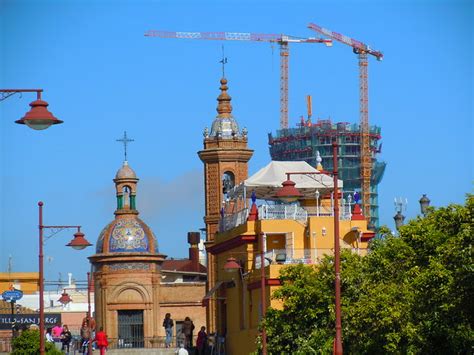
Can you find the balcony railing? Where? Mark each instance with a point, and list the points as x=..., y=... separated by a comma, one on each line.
x=284, y=211
x=300, y=256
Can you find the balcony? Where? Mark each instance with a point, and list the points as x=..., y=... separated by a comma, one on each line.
x=282, y=212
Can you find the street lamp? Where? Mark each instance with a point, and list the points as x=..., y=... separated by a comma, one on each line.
x=78, y=243
x=424, y=204
x=38, y=118
x=66, y=299
x=232, y=265
x=399, y=218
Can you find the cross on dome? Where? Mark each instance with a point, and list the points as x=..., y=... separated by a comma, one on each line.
x=125, y=140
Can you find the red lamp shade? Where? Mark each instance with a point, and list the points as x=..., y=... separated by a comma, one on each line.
x=231, y=265
x=79, y=242
x=288, y=193
x=39, y=117
x=64, y=299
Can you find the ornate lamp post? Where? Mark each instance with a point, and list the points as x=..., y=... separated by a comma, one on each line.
x=38, y=118
x=424, y=204
x=78, y=243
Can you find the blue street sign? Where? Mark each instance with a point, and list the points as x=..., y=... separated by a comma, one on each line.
x=12, y=295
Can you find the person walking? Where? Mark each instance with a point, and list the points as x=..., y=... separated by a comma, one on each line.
x=101, y=340
x=188, y=327
x=168, y=325
x=85, y=337
x=201, y=341
x=66, y=337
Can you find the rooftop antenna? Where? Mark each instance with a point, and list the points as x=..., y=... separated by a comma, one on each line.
x=10, y=263
x=400, y=204
x=125, y=140
x=223, y=61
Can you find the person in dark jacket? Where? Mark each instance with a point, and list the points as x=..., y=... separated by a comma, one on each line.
x=201, y=341
x=66, y=337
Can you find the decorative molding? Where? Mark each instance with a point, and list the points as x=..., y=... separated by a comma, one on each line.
x=232, y=243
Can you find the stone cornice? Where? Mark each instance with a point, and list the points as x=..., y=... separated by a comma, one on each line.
x=231, y=244
x=225, y=154
x=127, y=257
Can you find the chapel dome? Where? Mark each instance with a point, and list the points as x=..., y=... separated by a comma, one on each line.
x=126, y=234
x=125, y=172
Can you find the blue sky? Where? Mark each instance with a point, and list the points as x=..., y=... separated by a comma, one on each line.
x=102, y=76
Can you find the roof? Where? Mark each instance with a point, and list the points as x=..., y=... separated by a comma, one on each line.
x=269, y=179
x=182, y=265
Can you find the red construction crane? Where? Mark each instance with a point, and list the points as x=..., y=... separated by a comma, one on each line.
x=282, y=40
x=362, y=50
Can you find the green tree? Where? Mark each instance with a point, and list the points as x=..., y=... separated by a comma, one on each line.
x=412, y=294
x=29, y=343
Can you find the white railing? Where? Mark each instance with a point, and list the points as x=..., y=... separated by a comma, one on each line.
x=326, y=211
x=283, y=212
x=233, y=220
x=300, y=256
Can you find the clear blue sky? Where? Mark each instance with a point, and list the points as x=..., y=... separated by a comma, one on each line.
x=102, y=76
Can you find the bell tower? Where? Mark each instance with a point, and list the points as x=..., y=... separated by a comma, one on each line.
x=225, y=157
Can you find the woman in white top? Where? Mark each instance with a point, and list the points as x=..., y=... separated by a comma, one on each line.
x=49, y=336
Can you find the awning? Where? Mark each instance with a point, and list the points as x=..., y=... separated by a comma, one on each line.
x=213, y=290
x=267, y=181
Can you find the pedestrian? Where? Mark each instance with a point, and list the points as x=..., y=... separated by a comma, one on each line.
x=49, y=335
x=201, y=341
x=168, y=325
x=182, y=350
x=56, y=333
x=101, y=340
x=66, y=338
x=85, y=336
x=188, y=327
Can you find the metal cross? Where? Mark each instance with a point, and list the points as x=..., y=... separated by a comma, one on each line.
x=224, y=62
x=125, y=140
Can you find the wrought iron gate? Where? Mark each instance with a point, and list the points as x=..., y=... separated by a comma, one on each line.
x=130, y=329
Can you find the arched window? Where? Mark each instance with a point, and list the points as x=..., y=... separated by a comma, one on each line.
x=126, y=196
x=228, y=181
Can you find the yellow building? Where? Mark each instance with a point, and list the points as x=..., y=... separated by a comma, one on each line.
x=24, y=281
x=291, y=233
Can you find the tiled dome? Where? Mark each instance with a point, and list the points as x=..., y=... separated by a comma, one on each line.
x=127, y=234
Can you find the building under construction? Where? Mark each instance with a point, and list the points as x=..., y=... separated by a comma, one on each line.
x=303, y=143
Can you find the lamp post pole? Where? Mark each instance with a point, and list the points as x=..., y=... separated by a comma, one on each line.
x=263, y=293
x=337, y=285
x=41, y=279
x=89, y=323
x=78, y=243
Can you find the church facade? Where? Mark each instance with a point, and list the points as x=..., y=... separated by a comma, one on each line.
x=135, y=285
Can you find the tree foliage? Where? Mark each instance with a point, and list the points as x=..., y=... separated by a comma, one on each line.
x=412, y=294
x=28, y=343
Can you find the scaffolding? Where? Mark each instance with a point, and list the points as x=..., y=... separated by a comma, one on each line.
x=303, y=143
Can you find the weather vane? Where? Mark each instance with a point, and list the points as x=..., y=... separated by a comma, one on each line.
x=223, y=61
x=125, y=140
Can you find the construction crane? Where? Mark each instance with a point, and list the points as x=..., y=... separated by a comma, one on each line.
x=362, y=50
x=282, y=40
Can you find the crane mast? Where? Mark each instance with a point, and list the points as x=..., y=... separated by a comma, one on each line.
x=282, y=40
x=362, y=50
